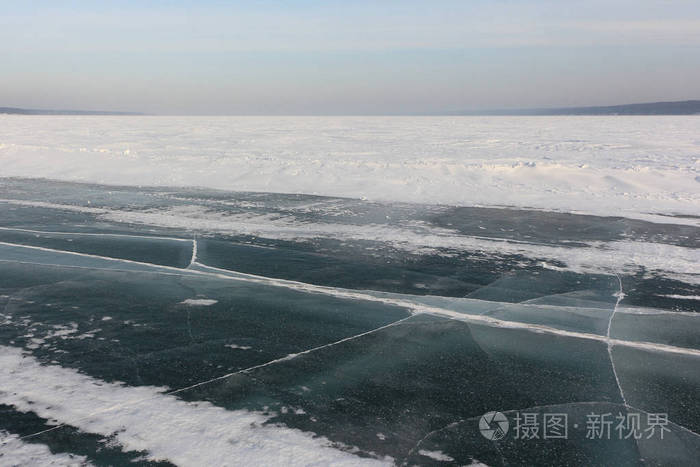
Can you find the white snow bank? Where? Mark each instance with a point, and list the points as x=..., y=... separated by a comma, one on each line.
x=643, y=167
x=142, y=418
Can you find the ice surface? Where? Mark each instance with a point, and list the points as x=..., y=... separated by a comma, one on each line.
x=582, y=244
x=194, y=326
x=467, y=446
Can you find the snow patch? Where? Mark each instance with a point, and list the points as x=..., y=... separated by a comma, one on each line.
x=144, y=419
x=238, y=347
x=436, y=455
x=14, y=451
x=680, y=297
x=199, y=302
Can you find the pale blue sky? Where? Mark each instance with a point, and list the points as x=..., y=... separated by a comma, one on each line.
x=335, y=57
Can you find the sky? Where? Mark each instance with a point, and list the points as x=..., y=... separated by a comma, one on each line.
x=345, y=57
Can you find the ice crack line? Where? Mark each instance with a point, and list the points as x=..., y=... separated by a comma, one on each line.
x=193, y=260
x=416, y=307
x=93, y=234
x=290, y=356
x=189, y=325
x=431, y=433
x=222, y=377
x=620, y=295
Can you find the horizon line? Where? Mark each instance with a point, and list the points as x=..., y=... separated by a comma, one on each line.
x=651, y=109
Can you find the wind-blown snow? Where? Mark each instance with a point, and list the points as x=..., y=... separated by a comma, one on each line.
x=142, y=418
x=595, y=257
x=643, y=167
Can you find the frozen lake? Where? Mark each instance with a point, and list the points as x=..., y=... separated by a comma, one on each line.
x=349, y=291
x=195, y=326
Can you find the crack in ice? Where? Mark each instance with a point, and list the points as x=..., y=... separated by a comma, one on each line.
x=93, y=234
x=222, y=377
x=620, y=295
x=431, y=433
x=193, y=260
x=359, y=295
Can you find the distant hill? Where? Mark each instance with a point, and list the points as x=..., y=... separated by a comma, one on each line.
x=17, y=111
x=650, y=108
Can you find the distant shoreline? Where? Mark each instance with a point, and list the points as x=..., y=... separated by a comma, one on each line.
x=20, y=111
x=689, y=107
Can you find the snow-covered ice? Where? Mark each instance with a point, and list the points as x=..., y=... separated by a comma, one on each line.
x=642, y=167
x=143, y=418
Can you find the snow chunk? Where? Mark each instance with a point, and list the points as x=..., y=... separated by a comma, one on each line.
x=199, y=302
x=239, y=347
x=436, y=455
